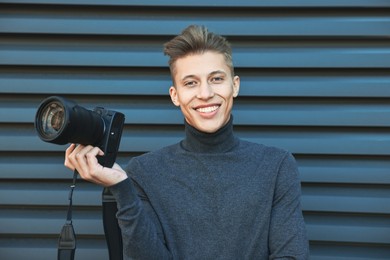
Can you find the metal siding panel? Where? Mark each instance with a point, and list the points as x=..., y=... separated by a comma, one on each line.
x=53, y=52
x=215, y=3
x=87, y=20
x=266, y=58
x=315, y=80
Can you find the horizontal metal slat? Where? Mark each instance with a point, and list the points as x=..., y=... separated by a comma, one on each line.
x=289, y=113
x=98, y=83
x=335, y=203
x=40, y=253
x=308, y=83
x=43, y=248
x=347, y=234
x=328, y=142
x=265, y=58
x=346, y=198
x=375, y=27
x=49, y=194
x=38, y=222
x=348, y=251
x=41, y=166
x=348, y=170
x=214, y=4
x=348, y=228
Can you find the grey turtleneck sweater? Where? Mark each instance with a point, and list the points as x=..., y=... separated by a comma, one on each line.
x=212, y=196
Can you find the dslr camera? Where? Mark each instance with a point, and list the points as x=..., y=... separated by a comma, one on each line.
x=61, y=121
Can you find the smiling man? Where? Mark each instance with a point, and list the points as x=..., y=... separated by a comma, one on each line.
x=204, y=89
x=212, y=195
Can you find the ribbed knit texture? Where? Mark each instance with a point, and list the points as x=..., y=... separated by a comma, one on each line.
x=212, y=196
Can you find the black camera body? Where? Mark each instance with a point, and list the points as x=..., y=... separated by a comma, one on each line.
x=109, y=143
x=61, y=121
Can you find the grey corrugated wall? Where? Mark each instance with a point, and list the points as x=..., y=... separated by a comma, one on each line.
x=315, y=80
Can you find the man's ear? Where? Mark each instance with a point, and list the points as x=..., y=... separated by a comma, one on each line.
x=236, y=86
x=173, y=94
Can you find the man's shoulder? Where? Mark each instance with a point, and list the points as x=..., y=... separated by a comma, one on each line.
x=154, y=157
x=262, y=148
x=168, y=150
x=148, y=164
x=265, y=154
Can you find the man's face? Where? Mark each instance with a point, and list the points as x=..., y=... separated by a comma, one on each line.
x=204, y=90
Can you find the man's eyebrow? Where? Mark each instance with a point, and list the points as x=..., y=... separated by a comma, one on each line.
x=217, y=72
x=187, y=77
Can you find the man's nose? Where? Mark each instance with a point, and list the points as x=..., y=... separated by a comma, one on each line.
x=205, y=91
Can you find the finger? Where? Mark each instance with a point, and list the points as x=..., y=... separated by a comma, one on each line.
x=90, y=169
x=91, y=158
x=68, y=152
x=70, y=156
x=70, y=149
x=80, y=161
x=94, y=168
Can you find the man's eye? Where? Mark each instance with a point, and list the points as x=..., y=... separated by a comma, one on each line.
x=217, y=79
x=190, y=83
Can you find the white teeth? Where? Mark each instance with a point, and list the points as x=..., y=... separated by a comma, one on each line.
x=207, y=109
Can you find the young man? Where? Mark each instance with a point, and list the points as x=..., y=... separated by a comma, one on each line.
x=211, y=196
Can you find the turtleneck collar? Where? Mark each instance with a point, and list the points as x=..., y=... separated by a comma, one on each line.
x=200, y=142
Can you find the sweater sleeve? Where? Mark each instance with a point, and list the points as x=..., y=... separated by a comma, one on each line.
x=141, y=234
x=288, y=238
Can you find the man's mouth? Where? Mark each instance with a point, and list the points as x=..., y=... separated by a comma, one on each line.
x=209, y=109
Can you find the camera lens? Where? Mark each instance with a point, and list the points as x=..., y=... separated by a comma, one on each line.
x=61, y=121
x=53, y=119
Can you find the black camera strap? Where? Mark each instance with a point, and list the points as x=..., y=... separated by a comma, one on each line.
x=67, y=239
x=111, y=227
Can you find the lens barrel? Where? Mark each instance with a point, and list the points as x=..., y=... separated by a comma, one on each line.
x=61, y=121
